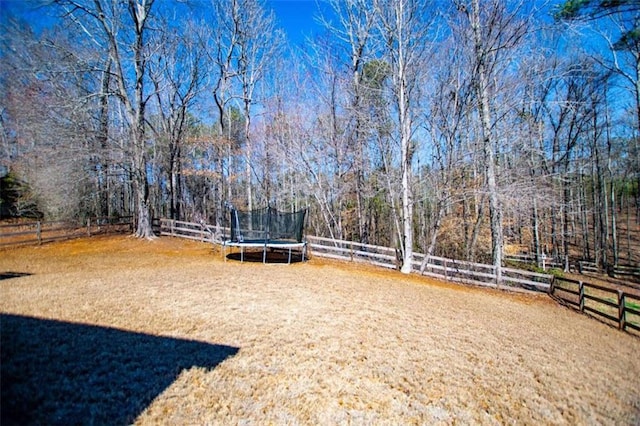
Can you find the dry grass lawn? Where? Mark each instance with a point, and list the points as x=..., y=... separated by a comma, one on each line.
x=119, y=330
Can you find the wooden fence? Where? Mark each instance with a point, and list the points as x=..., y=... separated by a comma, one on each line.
x=545, y=261
x=581, y=265
x=616, y=270
x=352, y=251
x=39, y=232
x=612, y=306
x=436, y=267
x=194, y=231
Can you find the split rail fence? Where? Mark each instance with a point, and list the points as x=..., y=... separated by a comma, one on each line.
x=612, y=306
x=545, y=262
x=194, y=231
x=616, y=270
x=581, y=265
x=437, y=267
x=434, y=266
x=40, y=232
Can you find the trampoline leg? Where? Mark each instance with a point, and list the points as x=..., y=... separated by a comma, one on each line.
x=289, y=256
x=241, y=254
x=264, y=255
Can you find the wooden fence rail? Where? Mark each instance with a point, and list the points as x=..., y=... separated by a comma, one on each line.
x=39, y=232
x=545, y=261
x=615, y=270
x=386, y=257
x=352, y=251
x=581, y=265
x=194, y=231
x=627, y=271
x=436, y=267
x=610, y=305
x=613, y=306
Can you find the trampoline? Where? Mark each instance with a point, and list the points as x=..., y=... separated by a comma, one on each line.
x=267, y=229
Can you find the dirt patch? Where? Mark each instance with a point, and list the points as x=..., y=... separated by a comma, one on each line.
x=314, y=342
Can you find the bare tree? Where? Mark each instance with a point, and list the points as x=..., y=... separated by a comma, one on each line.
x=245, y=43
x=448, y=113
x=494, y=30
x=405, y=29
x=178, y=77
x=625, y=47
x=47, y=112
x=258, y=42
x=617, y=23
x=354, y=31
x=119, y=28
x=326, y=154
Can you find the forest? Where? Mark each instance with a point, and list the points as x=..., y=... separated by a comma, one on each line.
x=469, y=129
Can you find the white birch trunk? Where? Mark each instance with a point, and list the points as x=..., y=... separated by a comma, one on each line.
x=482, y=88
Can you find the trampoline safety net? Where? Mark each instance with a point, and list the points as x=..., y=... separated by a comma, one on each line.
x=266, y=225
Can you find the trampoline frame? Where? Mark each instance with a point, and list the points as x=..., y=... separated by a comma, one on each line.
x=265, y=244
x=238, y=238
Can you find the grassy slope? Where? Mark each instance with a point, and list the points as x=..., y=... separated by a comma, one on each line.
x=318, y=342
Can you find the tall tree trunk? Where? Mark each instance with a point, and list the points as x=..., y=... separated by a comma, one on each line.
x=566, y=196
x=477, y=226
x=535, y=224
x=584, y=220
x=397, y=228
x=405, y=126
x=612, y=196
x=614, y=225
x=104, y=141
x=407, y=213
x=139, y=13
x=482, y=89
x=248, y=147
x=535, y=215
x=140, y=182
x=174, y=181
x=247, y=170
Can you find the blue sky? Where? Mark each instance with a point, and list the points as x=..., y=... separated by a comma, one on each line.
x=17, y=7
x=296, y=17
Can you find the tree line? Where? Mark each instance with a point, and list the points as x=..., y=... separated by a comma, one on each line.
x=461, y=128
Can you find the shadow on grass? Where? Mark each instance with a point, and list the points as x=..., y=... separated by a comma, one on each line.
x=7, y=275
x=55, y=372
x=272, y=256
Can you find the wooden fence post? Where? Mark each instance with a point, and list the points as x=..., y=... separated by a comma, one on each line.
x=622, y=320
x=444, y=264
x=581, y=295
x=39, y=232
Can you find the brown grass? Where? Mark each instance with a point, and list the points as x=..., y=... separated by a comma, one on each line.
x=324, y=343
